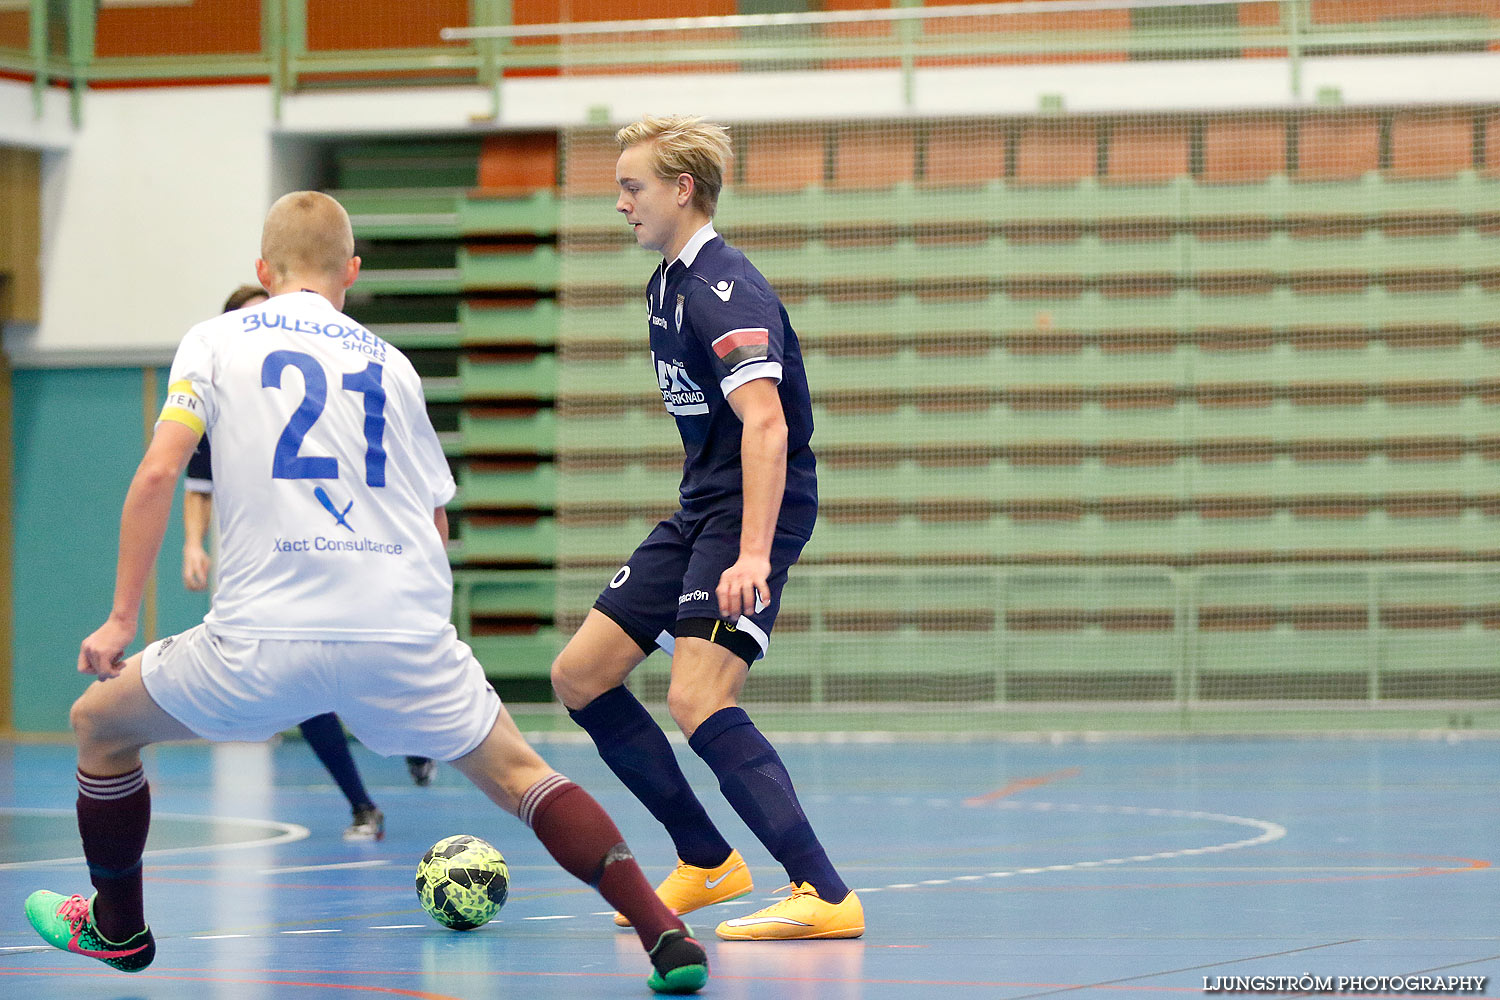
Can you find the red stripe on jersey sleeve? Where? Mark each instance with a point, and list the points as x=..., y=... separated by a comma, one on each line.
x=735, y=339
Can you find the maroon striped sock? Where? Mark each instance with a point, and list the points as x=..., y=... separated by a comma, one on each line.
x=579, y=834
x=114, y=814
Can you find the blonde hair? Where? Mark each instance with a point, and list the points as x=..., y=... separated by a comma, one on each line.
x=307, y=233
x=684, y=144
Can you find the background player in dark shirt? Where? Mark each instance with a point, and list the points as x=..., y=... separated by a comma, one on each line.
x=706, y=584
x=324, y=733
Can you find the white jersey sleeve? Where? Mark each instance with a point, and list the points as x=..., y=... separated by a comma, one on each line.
x=190, y=384
x=326, y=471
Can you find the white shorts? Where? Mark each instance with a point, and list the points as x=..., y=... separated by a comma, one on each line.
x=429, y=700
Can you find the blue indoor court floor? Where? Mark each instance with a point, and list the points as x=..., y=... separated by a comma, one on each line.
x=1112, y=868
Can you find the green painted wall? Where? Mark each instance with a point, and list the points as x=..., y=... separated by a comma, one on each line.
x=78, y=438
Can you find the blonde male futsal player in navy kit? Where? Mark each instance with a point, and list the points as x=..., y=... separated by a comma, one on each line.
x=706, y=584
x=334, y=595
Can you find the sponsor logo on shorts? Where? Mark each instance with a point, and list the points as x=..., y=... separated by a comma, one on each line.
x=694, y=595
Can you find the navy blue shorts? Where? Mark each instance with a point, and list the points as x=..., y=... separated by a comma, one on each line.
x=674, y=574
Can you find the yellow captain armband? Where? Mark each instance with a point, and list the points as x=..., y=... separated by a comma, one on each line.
x=183, y=406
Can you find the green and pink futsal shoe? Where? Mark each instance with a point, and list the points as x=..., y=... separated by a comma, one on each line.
x=67, y=922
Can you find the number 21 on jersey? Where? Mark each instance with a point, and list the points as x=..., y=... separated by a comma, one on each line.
x=287, y=463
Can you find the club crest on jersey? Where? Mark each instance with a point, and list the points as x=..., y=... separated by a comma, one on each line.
x=681, y=395
x=677, y=318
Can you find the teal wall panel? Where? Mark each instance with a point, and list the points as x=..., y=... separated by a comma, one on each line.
x=78, y=439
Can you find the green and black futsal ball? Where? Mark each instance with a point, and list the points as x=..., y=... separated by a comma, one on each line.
x=462, y=882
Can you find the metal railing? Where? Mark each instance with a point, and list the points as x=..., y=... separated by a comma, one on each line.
x=900, y=36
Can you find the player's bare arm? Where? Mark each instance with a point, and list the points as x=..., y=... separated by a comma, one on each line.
x=763, y=450
x=143, y=524
x=197, y=511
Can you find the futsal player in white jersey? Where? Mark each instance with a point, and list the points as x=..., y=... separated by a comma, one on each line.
x=334, y=595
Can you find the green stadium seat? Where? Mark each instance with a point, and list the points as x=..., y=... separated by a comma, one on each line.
x=484, y=538
x=527, y=268
x=634, y=428
x=632, y=486
x=911, y=369
x=403, y=164
x=486, y=213
x=507, y=376
x=584, y=213
x=410, y=280
x=522, y=656
x=408, y=321
x=603, y=543
x=505, y=431
x=623, y=321
x=492, y=485
x=397, y=213
x=503, y=593
x=621, y=266
x=485, y=323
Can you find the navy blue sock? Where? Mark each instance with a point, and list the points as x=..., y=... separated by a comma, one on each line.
x=325, y=734
x=756, y=783
x=636, y=749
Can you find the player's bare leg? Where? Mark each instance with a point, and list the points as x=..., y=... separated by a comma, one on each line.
x=598, y=658
x=589, y=677
x=112, y=721
x=579, y=834
x=703, y=698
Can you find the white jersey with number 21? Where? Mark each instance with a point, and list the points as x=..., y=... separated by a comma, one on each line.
x=326, y=475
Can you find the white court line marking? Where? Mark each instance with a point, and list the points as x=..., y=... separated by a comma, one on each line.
x=326, y=868
x=1268, y=832
x=286, y=833
x=29, y=947
x=397, y=927
x=316, y=930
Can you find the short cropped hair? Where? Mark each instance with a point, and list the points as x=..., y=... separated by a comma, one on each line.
x=243, y=294
x=307, y=233
x=684, y=144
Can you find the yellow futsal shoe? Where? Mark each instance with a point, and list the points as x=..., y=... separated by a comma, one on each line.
x=691, y=888
x=800, y=916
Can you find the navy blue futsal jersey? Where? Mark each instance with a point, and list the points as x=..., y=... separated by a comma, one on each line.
x=715, y=325
x=200, y=469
